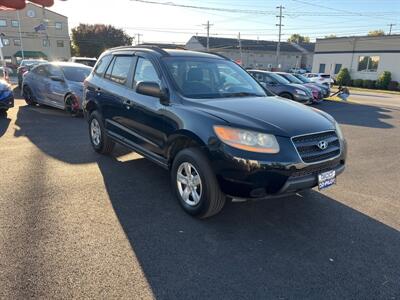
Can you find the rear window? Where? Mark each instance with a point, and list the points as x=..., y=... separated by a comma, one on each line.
x=76, y=74
x=87, y=62
x=102, y=65
x=325, y=76
x=119, y=70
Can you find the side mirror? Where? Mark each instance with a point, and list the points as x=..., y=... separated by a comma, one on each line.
x=57, y=78
x=152, y=89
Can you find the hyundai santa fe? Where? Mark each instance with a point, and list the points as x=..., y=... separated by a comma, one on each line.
x=219, y=132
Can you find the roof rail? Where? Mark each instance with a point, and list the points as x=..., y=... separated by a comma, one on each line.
x=214, y=53
x=150, y=47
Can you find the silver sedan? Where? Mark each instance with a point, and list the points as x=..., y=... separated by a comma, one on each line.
x=56, y=84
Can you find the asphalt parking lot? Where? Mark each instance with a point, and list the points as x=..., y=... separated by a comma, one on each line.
x=74, y=224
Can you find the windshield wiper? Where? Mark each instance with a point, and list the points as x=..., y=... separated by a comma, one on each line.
x=242, y=94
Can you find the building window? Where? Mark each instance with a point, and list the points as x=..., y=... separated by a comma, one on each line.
x=46, y=43
x=6, y=42
x=14, y=23
x=368, y=63
x=17, y=42
x=60, y=44
x=3, y=23
x=337, y=68
x=58, y=25
x=322, y=68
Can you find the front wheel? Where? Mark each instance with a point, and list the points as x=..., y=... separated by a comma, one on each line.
x=72, y=106
x=195, y=184
x=28, y=96
x=286, y=95
x=100, y=141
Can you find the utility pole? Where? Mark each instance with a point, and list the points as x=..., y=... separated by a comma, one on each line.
x=278, y=48
x=20, y=34
x=138, y=38
x=391, y=25
x=208, y=34
x=240, y=49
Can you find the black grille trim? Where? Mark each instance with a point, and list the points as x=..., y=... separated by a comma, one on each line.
x=309, y=152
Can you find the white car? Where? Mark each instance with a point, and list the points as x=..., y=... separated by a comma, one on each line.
x=320, y=78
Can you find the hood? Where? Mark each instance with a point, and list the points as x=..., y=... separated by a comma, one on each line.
x=268, y=114
x=312, y=87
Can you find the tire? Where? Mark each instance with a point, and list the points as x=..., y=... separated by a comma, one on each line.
x=28, y=96
x=211, y=200
x=72, y=106
x=103, y=144
x=3, y=113
x=286, y=95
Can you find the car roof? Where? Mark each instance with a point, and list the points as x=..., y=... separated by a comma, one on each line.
x=68, y=64
x=167, y=52
x=261, y=71
x=84, y=58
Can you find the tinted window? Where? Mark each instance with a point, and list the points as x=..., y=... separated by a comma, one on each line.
x=54, y=71
x=119, y=69
x=211, y=78
x=87, y=62
x=102, y=65
x=76, y=74
x=145, y=71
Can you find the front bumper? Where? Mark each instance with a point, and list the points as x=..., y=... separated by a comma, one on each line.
x=6, y=101
x=284, y=173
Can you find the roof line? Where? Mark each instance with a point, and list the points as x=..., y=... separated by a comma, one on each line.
x=52, y=11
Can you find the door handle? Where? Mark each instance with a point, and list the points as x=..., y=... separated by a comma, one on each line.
x=128, y=103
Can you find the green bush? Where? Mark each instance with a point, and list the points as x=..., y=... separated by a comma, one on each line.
x=368, y=84
x=358, y=82
x=384, y=80
x=343, y=78
x=393, y=86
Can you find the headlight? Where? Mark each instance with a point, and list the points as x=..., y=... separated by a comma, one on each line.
x=247, y=140
x=338, y=131
x=300, y=92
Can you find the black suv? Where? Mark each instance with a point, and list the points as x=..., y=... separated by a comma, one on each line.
x=217, y=130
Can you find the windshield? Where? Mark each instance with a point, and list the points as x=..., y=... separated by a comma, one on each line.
x=212, y=78
x=302, y=78
x=278, y=78
x=291, y=78
x=77, y=74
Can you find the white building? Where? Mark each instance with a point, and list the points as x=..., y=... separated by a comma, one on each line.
x=366, y=57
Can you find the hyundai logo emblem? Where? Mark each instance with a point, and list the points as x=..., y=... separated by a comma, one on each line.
x=322, y=145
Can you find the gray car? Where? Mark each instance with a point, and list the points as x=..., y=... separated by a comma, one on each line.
x=281, y=87
x=58, y=84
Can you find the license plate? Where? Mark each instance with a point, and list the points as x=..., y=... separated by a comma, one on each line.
x=326, y=179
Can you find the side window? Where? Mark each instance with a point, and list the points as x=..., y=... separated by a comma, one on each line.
x=145, y=71
x=118, y=71
x=40, y=70
x=269, y=79
x=102, y=65
x=54, y=71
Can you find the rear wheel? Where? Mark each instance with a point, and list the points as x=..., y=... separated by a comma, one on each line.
x=286, y=95
x=28, y=96
x=195, y=184
x=100, y=141
x=72, y=106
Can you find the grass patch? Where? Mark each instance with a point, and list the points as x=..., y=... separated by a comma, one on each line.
x=351, y=88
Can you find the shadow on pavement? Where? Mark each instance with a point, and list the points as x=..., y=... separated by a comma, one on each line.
x=357, y=114
x=311, y=247
x=4, y=123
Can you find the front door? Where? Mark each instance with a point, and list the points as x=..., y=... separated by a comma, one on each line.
x=55, y=89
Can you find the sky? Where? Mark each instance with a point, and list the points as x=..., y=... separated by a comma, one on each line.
x=171, y=24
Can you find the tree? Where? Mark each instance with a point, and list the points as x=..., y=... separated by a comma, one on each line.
x=91, y=40
x=330, y=36
x=384, y=80
x=297, y=38
x=343, y=78
x=378, y=32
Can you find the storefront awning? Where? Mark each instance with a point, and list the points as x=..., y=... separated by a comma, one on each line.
x=30, y=54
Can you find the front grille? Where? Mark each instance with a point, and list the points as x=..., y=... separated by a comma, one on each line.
x=307, y=146
x=315, y=170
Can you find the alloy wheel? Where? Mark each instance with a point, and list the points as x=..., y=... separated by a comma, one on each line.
x=95, y=132
x=189, y=184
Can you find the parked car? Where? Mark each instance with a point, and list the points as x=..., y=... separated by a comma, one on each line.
x=218, y=135
x=58, y=84
x=89, y=61
x=326, y=90
x=6, y=97
x=298, y=71
x=25, y=66
x=282, y=87
x=320, y=78
x=316, y=91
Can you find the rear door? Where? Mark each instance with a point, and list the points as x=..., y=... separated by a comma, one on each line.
x=37, y=82
x=55, y=90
